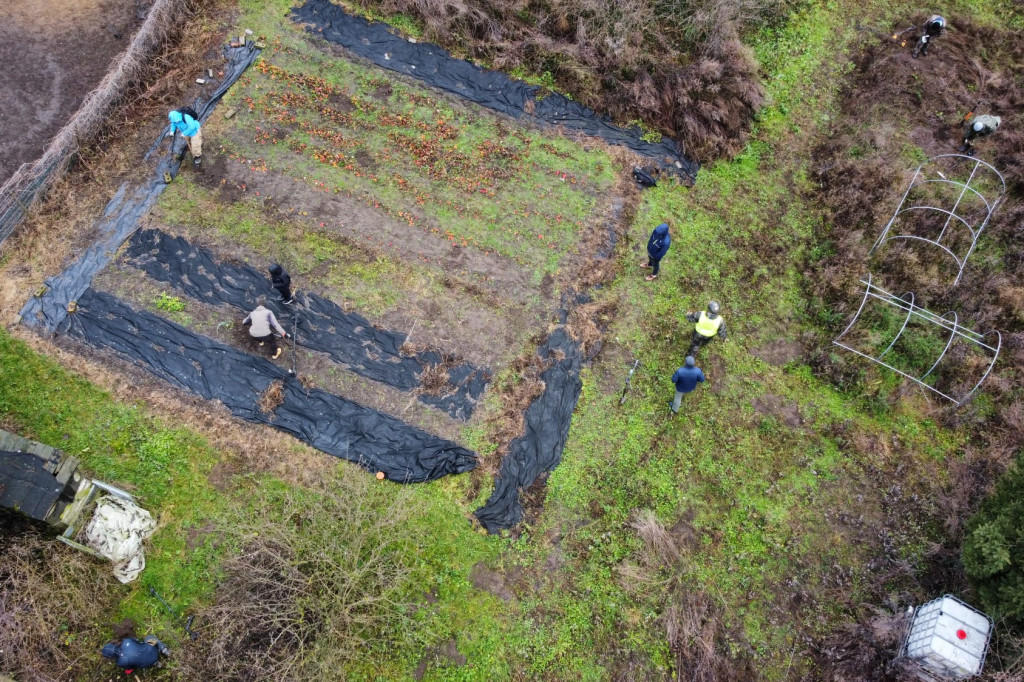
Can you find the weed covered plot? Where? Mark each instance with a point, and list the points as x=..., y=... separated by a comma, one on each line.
x=392, y=208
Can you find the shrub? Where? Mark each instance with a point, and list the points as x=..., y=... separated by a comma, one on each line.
x=319, y=580
x=993, y=553
x=676, y=65
x=53, y=604
x=168, y=303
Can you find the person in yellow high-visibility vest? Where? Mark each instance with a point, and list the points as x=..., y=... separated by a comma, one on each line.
x=707, y=325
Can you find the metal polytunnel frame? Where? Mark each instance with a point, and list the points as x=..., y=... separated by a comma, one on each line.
x=921, y=178
x=906, y=303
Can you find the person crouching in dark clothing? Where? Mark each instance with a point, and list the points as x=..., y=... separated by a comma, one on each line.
x=282, y=282
x=129, y=653
x=262, y=325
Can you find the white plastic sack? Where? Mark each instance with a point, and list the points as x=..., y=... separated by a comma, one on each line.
x=117, y=530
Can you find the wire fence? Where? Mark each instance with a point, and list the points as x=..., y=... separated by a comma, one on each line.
x=31, y=181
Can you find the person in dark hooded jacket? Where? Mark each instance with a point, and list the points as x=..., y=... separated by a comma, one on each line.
x=130, y=653
x=657, y=247
x=282, y=282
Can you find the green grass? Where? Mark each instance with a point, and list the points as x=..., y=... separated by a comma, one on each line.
x=466, y=177
x=163, y=466
x=752, y=465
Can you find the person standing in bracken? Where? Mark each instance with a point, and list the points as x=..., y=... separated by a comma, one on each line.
x=186, y=122
x=657, y=247
x=282, y=282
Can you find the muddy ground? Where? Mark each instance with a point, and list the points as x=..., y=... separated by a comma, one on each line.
x=54, y=53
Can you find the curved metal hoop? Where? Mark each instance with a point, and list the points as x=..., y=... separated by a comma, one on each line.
x=951, y=214
x=948, y=321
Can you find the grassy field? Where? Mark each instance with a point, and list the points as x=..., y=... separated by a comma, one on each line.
x=728, y=541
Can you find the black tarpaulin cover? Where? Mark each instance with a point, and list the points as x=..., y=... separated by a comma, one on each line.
x=215, y=371
x=491, y=89
x=123, y=213
x=547, y=420
x=321, y=324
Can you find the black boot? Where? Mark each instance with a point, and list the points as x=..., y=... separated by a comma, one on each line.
x=197, y=161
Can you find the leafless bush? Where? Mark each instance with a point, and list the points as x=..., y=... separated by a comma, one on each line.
x=699, y=641
x=435, y=380
x=272, y=397
x=53, y=601
x=319, y=578
x=863, y=651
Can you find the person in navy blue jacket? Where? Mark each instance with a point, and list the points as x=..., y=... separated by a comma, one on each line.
x=184, y=121
x=130, y=653
x=657, y=247
x=685, y=379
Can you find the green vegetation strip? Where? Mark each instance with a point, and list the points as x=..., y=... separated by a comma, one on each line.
x=452, y=171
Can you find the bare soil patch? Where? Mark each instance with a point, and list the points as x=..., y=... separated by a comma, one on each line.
x=490, y=581
x=786, y=410
x=444, y=654
x=53, y=54
x=778, y=353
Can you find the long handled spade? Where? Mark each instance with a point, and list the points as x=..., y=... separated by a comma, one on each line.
x=295, y=322
x=188, y=624
x=629, y=379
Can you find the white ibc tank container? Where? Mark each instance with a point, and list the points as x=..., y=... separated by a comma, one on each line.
x=948, y=639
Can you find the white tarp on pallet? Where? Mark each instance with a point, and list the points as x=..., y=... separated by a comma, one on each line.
x=117, y=531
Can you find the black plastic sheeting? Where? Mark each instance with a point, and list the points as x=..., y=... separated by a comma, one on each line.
x=491, y=89
x=123, y=213
x=321, y=324
x=215, y=371
x=539, y=449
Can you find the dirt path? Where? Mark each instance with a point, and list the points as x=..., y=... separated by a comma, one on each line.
x=53, y=53
x=355, y=219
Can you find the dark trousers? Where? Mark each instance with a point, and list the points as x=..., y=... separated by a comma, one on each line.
x=269, y=338
x=696, y=342
x=285, y=291
x=654, y=263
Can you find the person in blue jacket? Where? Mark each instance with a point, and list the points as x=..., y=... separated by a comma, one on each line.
x=685, y=379
x=657, y=247
x=130, y=653
x=185, y=122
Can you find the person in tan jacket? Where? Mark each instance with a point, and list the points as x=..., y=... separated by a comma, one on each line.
x=262, y=324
